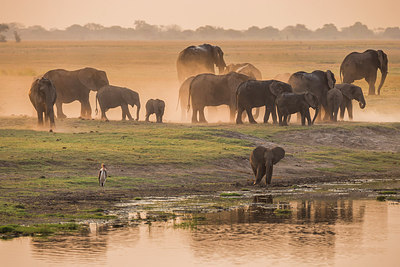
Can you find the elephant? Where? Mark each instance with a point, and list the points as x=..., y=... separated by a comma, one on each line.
x=318, y=83
x=110, y=96
x=246, y=69
x=350, y=92
x=356, y=66
x=334, y=98
x=155, y=106
x=76, y=85
x=262, y=160
x=183, y=97
x=43, y=95
x=252, y=94
x=214, y=90
x=289, y=103
x=199, y=59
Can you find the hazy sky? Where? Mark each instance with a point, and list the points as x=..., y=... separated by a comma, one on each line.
x=236, y=14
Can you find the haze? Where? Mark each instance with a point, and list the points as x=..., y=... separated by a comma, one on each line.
x=192, y=14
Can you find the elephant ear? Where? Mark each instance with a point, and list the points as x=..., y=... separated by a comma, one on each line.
x=347, y=91
x=218, y=56
x=311, y=99
x=331, y=79
x=381, y=57
x=87, y=77
x=274, y=155
x=276, y=88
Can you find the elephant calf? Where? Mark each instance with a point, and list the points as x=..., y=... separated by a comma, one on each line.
x=262, y=160
x=334, y=99
x=43, y=96
x=350, y=92
x=155, y=106
x=290, y=103
x=113, y=96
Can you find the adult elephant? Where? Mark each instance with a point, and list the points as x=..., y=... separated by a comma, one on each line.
x=43, y=96
x=76, y=85
x=199, y=59
x=246, y=69
x=183, y=97
x=350, y=92
x=317, y=82
x=214, y=90
x=253, y=94
x=357, y=66
x=113, y=96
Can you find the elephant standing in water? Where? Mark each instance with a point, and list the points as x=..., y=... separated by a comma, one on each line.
x=76, y=85
x=357, y=66
x=350, y=92
x=199, y=59
x=214, y=90
x=318, y=83
x=155, y=106
x=113, y=96
x=43, y=95
x=253, y=94
x=246, y=69
x=262, y=161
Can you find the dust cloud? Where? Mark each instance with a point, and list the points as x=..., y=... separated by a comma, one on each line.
x=150, y=69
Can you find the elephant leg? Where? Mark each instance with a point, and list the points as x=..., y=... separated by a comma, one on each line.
x=51, y=117
x=371, y=82
x=103, y=115
x=285, y=120
x=40, y=116
x=260, y=173
x=123, y=115
x=342, y=110
x=202, y=118
x=350, y=110
x=273, y=111
x=239, y=115
x=266, y=114
x=303, y=118
x=269, y=171
x=125, y=109
x=60, y=113
x=250, y=115
x=194, y=114
x=147, y=117
x=86, y=110
x=307, y=115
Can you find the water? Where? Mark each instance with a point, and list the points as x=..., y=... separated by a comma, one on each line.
x=316, y=233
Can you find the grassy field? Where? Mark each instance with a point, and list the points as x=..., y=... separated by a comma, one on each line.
x=52, y=176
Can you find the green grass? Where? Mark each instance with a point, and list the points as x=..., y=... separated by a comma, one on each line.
x=387, y=192
x=12, y=230
x=282, y=212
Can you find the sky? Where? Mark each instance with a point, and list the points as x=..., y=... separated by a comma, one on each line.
x=234, y=14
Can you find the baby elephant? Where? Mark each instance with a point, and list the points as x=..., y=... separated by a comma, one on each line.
x=155, y=106
x=289, y=103
x=113, y=96
x=262, y=160
x=334, y=99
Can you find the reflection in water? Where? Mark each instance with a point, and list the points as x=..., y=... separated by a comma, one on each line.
x=340, y=232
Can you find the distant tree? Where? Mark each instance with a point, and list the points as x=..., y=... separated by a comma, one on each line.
x=391, y=33
x=17, y=37
x=299, y=31
x=328, y=31
x=3, y=28
x=358, y=31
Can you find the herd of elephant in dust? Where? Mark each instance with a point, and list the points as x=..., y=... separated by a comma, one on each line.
x=239, y=86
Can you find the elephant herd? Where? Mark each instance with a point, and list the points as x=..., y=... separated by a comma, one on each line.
x=239, y=86
x=61, y=86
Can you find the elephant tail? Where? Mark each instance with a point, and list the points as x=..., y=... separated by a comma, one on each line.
x=315, y=115
x=97, y=99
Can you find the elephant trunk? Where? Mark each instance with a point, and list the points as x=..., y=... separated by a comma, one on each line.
x=383, y=78
x=315, y=115
x=362, y=103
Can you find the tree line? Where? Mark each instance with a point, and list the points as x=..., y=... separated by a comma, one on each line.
x=141, y=30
